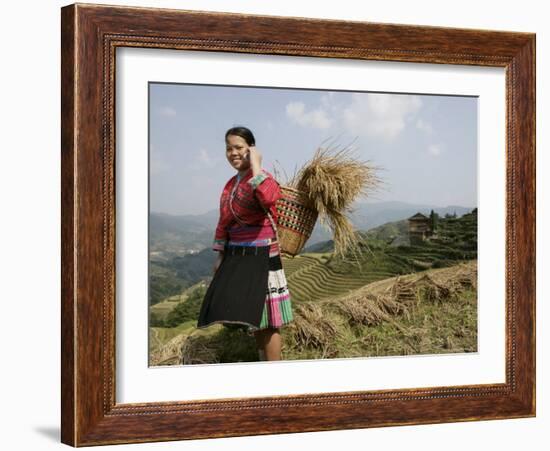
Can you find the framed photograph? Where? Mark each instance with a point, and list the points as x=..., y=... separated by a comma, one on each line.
x=282, y=224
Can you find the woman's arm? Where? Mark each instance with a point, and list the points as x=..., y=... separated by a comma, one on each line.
x=220, y=237
x=266, y=189
x=263, y=184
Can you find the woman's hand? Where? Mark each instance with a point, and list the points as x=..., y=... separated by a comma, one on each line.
x=255, y=158
x=217, y=263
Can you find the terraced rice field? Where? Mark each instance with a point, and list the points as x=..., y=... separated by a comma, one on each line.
x=310, y=278
x=315, y=276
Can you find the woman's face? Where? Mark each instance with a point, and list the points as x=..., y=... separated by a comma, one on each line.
x=236, y=150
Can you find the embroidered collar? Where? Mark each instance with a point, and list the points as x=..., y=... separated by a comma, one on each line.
x=246, y=174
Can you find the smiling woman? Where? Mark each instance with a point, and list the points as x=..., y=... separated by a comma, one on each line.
x=249, y=287
x=238, y=142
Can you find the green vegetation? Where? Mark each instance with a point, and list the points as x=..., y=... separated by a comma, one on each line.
x=162, y=309
x=366, y=324
x=317, y=276
x=169, y=278
x=427, y=329
x=219, y=344
x=178, y=309
x=187, y=310
x=163, y=282
x=430, y=312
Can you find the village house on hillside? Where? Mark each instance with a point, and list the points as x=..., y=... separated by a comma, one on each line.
x=420, y=228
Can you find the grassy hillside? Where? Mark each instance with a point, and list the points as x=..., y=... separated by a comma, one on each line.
x=162, y=309
x=317, y=280
x=317, y=276
x=430, y=312
x=171, y=277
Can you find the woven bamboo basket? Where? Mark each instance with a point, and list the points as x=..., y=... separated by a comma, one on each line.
x=295, y=221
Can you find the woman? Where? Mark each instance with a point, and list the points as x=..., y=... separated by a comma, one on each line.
x=249, y=286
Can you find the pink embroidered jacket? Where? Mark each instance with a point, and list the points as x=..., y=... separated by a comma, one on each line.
x=245, y=220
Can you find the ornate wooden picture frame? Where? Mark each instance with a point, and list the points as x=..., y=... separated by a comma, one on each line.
x=90, y=34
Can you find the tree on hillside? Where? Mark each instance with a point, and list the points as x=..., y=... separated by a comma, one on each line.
x=155, y=320
x=186, y=310
x=433, y=219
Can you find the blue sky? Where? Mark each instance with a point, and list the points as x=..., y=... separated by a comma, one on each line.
x=426, y=145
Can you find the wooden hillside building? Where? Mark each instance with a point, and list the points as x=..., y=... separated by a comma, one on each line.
x=420, y=228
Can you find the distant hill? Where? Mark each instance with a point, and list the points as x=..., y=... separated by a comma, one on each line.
x=172, y=236
x=373, y=214
x=367, y=215
x=391, y=231
x=171, y=277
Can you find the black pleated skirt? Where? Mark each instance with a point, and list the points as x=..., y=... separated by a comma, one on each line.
x=237, y=292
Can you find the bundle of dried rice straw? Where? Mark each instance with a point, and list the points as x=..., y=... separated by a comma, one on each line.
x=331, y=181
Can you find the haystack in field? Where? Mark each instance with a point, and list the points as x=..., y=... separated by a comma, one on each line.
x=330, y=182
x=312, y=326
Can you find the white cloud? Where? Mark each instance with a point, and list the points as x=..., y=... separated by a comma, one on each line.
x=381, y=115
x=317, y=118
x=205, y=159
x=424, y=126
x=327, y=99
x=434, y=149
x=167, y=111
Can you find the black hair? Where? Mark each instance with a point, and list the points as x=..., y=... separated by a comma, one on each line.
x=244, y=133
